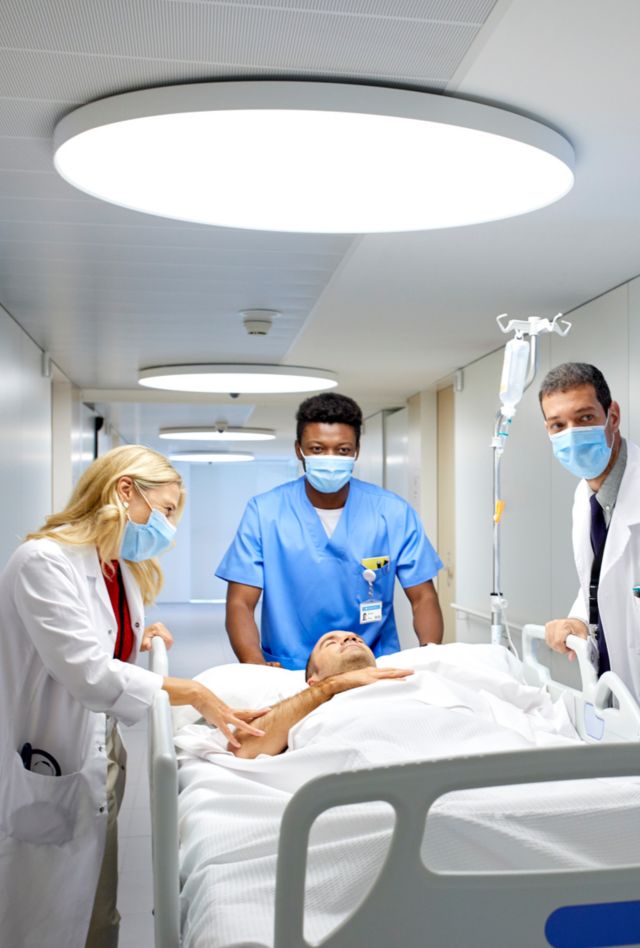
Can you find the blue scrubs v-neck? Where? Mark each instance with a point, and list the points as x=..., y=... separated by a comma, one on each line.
x=313, y=583
x=316, y=528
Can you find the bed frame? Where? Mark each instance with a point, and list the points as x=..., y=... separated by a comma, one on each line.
x=409, y=904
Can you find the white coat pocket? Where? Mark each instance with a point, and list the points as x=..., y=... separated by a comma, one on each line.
x=39, y=809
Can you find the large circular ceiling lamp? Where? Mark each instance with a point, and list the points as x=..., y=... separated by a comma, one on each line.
x=221, y=433
x=236, y=379
x=315, y=157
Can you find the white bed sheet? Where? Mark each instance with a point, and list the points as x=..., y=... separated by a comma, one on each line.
x=230, y=809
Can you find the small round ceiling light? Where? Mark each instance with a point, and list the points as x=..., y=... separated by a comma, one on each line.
x=217, y=433
x=211, y=457
x=314, y=157
x=237, y=379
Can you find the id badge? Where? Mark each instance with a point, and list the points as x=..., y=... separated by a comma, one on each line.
x=370, y=611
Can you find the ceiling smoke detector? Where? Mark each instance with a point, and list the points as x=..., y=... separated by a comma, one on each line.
x=258, y=322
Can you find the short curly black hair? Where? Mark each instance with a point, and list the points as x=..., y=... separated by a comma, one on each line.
x=330, y=409
x=573, y=375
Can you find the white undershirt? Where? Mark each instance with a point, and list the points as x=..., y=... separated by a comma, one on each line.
x=329, y=518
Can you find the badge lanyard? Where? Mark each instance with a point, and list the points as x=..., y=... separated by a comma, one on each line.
x=371, y=608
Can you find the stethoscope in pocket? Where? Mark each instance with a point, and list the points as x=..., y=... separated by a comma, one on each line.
x=39, y=761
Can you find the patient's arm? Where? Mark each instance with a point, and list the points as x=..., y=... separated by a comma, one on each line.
x=277, y=723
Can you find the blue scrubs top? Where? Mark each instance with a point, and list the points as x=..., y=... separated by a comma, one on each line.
x=312, y=583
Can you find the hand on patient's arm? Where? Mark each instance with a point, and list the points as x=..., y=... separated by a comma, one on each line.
x=241, y=625
x=427, y=615
x=184, y=691
x=556, y=633
x=279, y=720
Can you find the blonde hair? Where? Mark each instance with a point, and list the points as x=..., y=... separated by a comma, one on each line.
x=95, y=515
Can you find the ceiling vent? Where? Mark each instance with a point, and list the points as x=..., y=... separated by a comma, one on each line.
x=258, y=322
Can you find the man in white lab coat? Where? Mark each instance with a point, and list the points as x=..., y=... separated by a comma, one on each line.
x=583, y=423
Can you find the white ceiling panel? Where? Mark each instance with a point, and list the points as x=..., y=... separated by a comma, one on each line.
x=108, y=290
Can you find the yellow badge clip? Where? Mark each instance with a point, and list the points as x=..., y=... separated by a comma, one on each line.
x=375, y=562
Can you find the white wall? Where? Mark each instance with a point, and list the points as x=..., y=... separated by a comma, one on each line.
x=25, y=436
x=73, y=437
x=396, y=457
x=423, y=459
x=370, y=463
x=397, y=480
x=176, y=563
x=216, y=497
x=538, y=573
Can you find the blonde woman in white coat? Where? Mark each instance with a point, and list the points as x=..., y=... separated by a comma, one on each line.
x=72, y=600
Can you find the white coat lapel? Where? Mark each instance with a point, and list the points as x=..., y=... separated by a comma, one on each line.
x=90, y=564
x=626, y=513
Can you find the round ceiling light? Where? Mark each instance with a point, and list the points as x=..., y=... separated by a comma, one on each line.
x=211, y=457
x=312, y=157
x=236, y=379
x=217, y=434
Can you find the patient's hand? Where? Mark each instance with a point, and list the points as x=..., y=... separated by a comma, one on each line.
x=364, y=676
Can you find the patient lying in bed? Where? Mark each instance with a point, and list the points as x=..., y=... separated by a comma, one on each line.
x=355, y=712
x=438, y=701
x=339, y=662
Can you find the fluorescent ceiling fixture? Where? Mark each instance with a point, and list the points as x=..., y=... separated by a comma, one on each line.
x=211, y=457
x=312, y=157
x=252, y=379
x=217, y=434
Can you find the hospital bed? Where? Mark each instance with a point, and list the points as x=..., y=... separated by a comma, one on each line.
x=410, y=904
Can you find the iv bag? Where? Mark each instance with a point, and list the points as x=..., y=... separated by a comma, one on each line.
x=514, y=374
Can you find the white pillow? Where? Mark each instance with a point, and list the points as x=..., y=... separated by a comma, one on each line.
x=244, y=686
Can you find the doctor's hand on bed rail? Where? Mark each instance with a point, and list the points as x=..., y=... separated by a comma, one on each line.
x=557, y=631
x=159, y=629
x=339, y=662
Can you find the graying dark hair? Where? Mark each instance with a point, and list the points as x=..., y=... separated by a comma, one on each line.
x=572, y=375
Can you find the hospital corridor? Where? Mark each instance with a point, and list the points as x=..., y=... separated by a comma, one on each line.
x=320, y=474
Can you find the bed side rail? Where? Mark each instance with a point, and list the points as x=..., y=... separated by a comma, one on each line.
x=604, y=710
x=410, y=905
x=163, y=780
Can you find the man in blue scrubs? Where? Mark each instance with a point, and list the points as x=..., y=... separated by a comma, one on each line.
x=325, y=550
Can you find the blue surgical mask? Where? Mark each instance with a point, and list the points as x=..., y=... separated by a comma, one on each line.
x=328, y=473
x=141, y=541
x=582, y=451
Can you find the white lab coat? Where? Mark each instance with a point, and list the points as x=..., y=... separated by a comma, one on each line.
x=57, y=680
x=619, y=573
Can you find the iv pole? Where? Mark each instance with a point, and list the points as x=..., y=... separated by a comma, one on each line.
x=518, y=372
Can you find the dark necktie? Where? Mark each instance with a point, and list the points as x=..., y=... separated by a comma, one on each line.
x=598, y=540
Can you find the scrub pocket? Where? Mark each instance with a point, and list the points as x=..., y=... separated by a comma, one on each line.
x=383, y=587
x=39, y=809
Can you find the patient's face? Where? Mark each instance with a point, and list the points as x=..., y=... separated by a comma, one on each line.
x=338, y=652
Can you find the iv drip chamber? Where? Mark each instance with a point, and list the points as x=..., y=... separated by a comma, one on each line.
x=514, y=374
